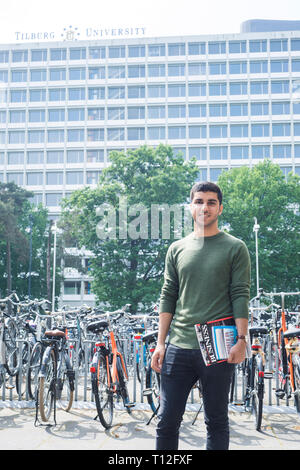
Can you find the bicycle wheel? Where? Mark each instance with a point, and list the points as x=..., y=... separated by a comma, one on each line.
x=65, y=384
x=153, y=384
x=257, y=381
x=46, y=389
x=21, y=381
x=297, y=384
x=122, y=387
x=102, y=392
x=11, y=350
x=33, y=371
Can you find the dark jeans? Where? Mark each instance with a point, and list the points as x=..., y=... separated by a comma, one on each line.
x=180, y=371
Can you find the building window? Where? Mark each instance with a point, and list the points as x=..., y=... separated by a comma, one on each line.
x=35, y=157
x=260, y=130
x=218, y=153
x=19, y=76
x=55, y=156
x=16, y=178
x=260, y=151
x=217, y=47
x=136, y=51
x=279, y=66
x=97, y=73
x=57, y=74
x=238, y=109
x=97, y=93
x=57, y=94
x=136, y=92
x=36, y=136
x=239, y=152
x=197, y=132
x=237, y=47
x=76, y=114
x=15, y=158
x=280, y=86
x=54, y=178
x=75, y=156
x=239, y=130
x=176, y=111
x=281, y=129
x=176, y=49
x=37, y=95
x=156, y=50
x=197, y=68
x=278, y=45
x=295, y=44
x=56, y=115
x=259, y=109
x=176, y=70
x=58, y=54
x=16, y=137
x=198, y=152
x=35, y=179
x=237, y=67
x=95, y=114
x=116, y=113
x=116, y=52
x=36, y=115
x=39, y=55
x=217, y=89
x=76, y=94
x=77, y=73
x=156, y=91
x=4, y=55
x=238, y=88
x=136, y=71
x=116, y=71
x=72, y=287
x=258, y=66
x=177, y=132
x=197, y=48
x=156, y=132
x=217, y=110
x=95, y=156
x=156, y=70
x=258, y=46
x=92, y=177
x=282, y=151
x=38, y=75
x=136, y=112
x=197, y=110
x=17, y=116
x=217, y=68
x=53, y=199
x=74, y=177
x=97, y=52
x=282, y=107
x=136, y=133
x=56, y=136
x=176, y=91
x=116, y=93
x=259, y=88
x=20, y=56
x=77, y=53
x=218, y=131
x=95, y=135
x=75, y=135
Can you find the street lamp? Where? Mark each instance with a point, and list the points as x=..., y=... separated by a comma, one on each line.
x=54, y=230
x=255, y=229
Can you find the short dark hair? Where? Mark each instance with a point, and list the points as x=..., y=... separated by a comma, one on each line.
x=204, y=187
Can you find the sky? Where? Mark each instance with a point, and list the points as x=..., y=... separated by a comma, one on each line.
x=156, y=17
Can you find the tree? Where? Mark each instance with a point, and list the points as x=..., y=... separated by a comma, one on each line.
x=264, y=193
x=129, y=255
x=12, y=201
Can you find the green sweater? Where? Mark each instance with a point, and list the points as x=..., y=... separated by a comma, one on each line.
x=205, y=279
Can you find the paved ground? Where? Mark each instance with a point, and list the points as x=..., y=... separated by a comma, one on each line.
x=77, y=430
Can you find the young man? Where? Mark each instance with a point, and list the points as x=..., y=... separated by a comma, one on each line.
x=207, y=276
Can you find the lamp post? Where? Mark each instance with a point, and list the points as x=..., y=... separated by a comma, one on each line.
x=255, y=229
x=54, y=230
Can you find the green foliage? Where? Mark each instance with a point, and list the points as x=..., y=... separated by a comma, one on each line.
x=127, y=270
x=264, y=193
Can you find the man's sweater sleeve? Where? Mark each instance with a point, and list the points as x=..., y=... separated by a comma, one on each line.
x=240, y=283
x=169, y=292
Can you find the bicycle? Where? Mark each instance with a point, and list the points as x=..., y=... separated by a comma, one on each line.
x=108, y=370
x=56, y=376
x=8, y=341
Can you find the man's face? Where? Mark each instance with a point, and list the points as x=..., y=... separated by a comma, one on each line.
x=206, y=208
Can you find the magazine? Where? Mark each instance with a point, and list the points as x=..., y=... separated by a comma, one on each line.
x=216, y=338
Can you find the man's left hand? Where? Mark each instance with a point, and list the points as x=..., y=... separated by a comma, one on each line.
x=237, y=353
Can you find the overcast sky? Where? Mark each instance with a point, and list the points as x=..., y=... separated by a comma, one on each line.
x=158, y=17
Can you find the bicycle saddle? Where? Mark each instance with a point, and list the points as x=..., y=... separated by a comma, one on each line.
x=292, y=333
x=97, y=325
x=150, y=336
x=55, y=333
x=256, y=330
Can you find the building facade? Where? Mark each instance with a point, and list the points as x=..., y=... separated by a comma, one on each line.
x=229, y=100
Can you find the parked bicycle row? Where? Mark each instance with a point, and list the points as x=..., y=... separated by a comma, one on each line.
x=54, y=359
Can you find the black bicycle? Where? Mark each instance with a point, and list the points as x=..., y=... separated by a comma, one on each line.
x=56, y=376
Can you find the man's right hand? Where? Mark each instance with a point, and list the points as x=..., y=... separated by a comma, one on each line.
x=158, y=357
